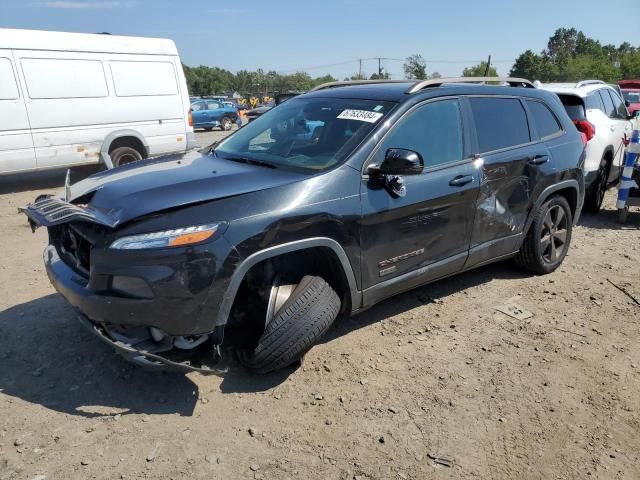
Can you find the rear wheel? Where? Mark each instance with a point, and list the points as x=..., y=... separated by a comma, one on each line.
x=297, y=315
x=595, y=196
x=548, y=238
x=122, y=155
x=225, y=124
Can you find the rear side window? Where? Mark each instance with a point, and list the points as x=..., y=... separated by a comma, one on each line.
x=545, y=121
x=500, y=123
x=434, y=130
x=609, y=107
x=213, y=105
x=574, y=106
x=621, y=110
x=64, y=78
x=593, y=101
x=138, y=79
x=8, y=87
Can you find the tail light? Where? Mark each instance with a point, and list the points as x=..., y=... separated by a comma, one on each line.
x=190, y=117
x=586, y=128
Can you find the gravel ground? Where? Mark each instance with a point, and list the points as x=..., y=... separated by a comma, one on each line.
x=435, y=383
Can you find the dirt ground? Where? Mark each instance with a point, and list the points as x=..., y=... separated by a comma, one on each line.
x=437, y=372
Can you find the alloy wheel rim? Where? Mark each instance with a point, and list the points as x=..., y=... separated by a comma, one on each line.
x=278, y=295
x=553, y=240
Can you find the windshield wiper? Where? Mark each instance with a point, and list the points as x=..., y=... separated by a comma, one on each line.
x=251, y=161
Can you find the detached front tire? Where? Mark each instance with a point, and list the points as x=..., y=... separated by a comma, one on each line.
x=548, y=238
x=295, y=327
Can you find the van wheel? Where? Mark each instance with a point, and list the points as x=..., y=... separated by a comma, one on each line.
x=548, y=238
x=225, y=124
x=595, y=196
x=123, y=155
x=300, y=315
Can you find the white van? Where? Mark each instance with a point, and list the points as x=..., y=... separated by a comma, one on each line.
x=70, y=99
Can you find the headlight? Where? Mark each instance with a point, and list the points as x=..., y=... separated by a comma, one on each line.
x=178, y=237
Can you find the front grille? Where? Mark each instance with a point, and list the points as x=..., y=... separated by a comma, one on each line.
x=74, y=248
x=54, y=210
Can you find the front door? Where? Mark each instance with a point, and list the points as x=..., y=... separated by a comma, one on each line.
x=16, y=142
x=407, y=241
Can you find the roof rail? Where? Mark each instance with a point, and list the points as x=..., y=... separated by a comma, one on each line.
x=437, y=82
x=418, y=85
x=584, y=83
x=347, y=83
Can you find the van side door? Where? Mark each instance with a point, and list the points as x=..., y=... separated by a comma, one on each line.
x=16, y=142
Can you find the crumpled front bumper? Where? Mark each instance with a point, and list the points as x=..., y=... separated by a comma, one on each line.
x=147, y=359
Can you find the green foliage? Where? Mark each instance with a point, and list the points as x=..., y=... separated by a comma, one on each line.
x=571, y=56
x=204, y=80
x=380, y=76
x=415, y=68
x=480, y=70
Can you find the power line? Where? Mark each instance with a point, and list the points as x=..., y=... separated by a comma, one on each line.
x=359, y=61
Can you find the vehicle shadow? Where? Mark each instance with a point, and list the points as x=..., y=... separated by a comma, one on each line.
x=437, y=291
x=49, y=358
x=607, y=219
x=54, y=179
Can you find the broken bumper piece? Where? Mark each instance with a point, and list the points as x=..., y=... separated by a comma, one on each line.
x=156, y=355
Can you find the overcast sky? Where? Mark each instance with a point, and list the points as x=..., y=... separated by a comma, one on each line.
x=329, y=36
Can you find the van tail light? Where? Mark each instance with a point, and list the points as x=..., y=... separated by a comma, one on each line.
x=190, y=117
x=586, y=128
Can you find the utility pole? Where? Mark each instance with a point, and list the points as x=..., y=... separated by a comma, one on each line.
x=360, y=70
x=379, y=68
x=486, y=71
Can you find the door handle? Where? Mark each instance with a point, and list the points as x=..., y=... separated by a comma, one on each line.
x=461, y=180
x=539, y=160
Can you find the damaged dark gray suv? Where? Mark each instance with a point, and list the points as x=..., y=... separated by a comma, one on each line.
x=327, y=204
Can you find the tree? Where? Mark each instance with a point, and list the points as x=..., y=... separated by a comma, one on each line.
x=571, y=56
x=415, y=68
x=380, y=76
x=435, y=75
x=480, y=70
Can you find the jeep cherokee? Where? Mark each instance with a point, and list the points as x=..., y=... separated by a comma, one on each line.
x=327, y=204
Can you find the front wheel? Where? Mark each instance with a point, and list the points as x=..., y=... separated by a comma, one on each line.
x=297, y=316
x=124, y=155
x=548, y=238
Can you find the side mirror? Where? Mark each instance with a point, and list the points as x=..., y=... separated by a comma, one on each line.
x=627, y=103
x=398, y=161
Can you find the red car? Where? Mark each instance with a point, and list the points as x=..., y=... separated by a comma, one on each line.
x=631, y=92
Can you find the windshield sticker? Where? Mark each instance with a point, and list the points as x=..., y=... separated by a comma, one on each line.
x=377, y=108
x=361, y=115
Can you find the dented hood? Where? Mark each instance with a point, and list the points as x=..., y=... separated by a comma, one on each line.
x=141, y=188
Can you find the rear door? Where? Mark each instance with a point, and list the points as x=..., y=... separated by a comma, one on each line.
x=619, y=126
x=511, y=165
x=424, y=235
x=16, y=142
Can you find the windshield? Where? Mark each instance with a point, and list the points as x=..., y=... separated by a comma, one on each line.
x=631, y=97
x=306, y=134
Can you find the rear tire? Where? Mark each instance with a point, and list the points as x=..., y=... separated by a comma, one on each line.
x=225, y=124
x=301, y=321
x=548, y=238
x=595, y=196
x=123, y=155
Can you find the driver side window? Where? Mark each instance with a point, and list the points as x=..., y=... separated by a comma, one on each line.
x=434, y=130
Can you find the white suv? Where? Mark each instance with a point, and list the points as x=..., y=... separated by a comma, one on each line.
x=600, y=114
